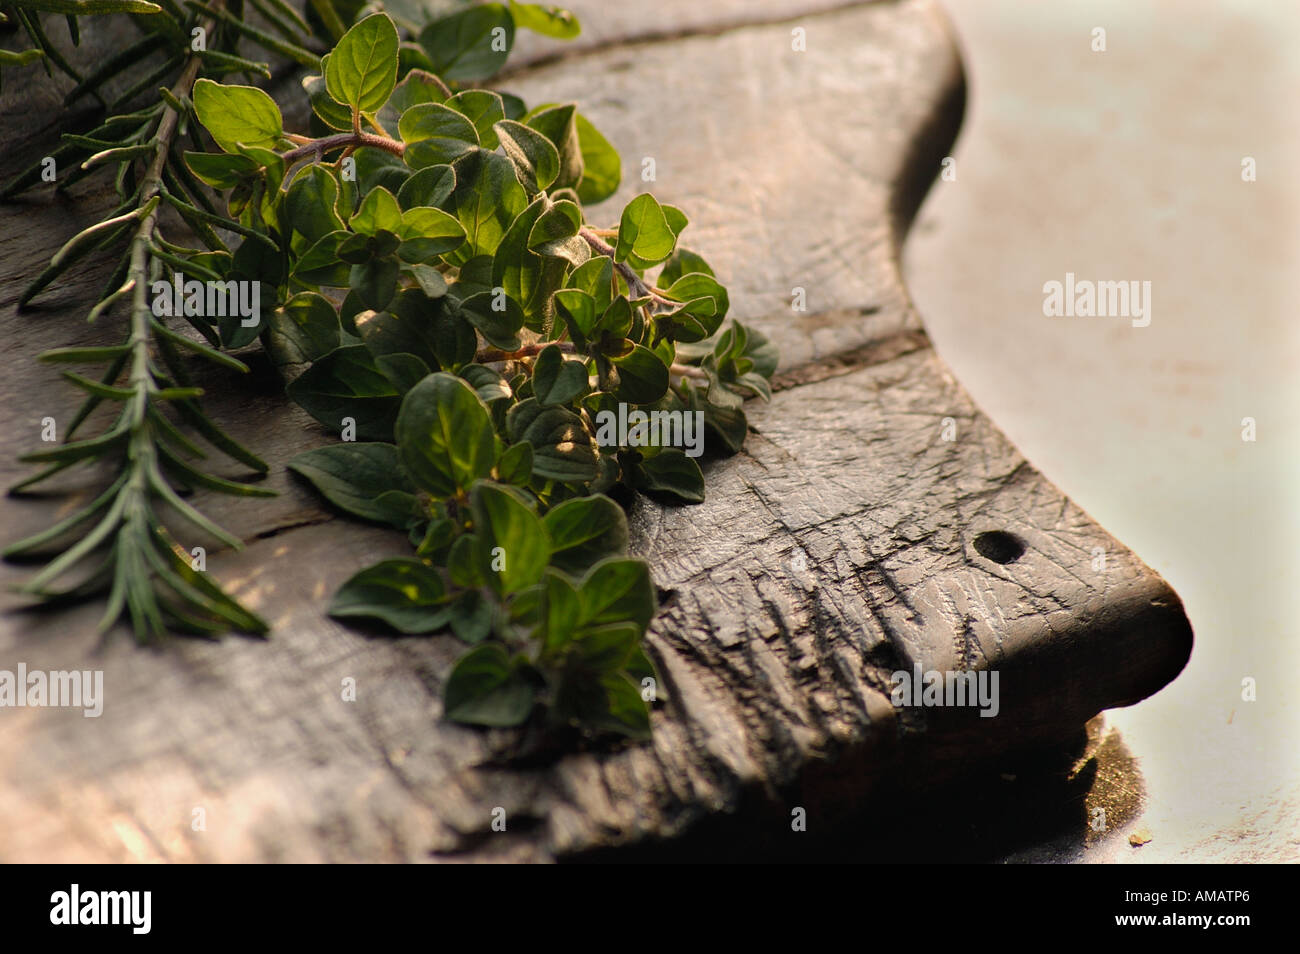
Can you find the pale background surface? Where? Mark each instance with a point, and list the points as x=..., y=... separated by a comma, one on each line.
x=1117, y=165
x=1127, y=165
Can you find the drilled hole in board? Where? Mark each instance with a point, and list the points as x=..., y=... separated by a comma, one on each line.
x=999, y=546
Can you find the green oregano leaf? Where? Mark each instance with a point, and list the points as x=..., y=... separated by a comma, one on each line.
x=376, y=280
x=516, y=465
x=606, y=648
x=626, y=711
x=436, y=135
x=321, y=263
x=220, y=170
x=557, y=380
x=431, y=186
x=513, y=549
x=379, y=210
x=559, y=125
x=546, y=19
x=602, y=169
x=362, y=70
x=682, y=262
x=644, y=236
x=417, y=86
x=490, y=386
x=558, y=613
x=404, y=370
x=471, y=44
x=427, y=233
x=578, y=310
x=486, y=200
x=303, y=329
x=238, y=114
x=484, y=109
x=329, y=110
x=526, y=277
x=471, y=618
x=408, y=595
x=555, y=233
x=618, y=590
x=346, y=385
x=562, y=447
x=400, y=329
x=445, y=436
x=536, y=160
x=584, y=531
x=675, y=218
x=497, y=317
x=360, y=478
x=671, y=472
x=487, y=688
x=642, y=377
x=311, y=204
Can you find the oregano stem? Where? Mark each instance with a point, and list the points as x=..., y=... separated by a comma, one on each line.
x=351, y=140
x=688, y=371
x=527, y=351
x=635, y=283
x=496, y=355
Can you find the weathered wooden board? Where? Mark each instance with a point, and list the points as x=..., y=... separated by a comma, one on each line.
x=839, y=547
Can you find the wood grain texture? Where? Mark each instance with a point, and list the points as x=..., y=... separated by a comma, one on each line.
x=798, y=170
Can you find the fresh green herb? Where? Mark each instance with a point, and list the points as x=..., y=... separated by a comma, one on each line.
x=132, y=556
x=500, y=371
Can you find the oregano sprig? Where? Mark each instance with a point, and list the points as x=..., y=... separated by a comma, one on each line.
x=505, y=376
x=472, y=338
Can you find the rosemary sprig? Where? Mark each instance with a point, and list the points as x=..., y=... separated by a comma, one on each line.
x=147, y=575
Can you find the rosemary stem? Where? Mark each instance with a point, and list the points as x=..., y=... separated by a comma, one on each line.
x=141, y=455
x=141, y=243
